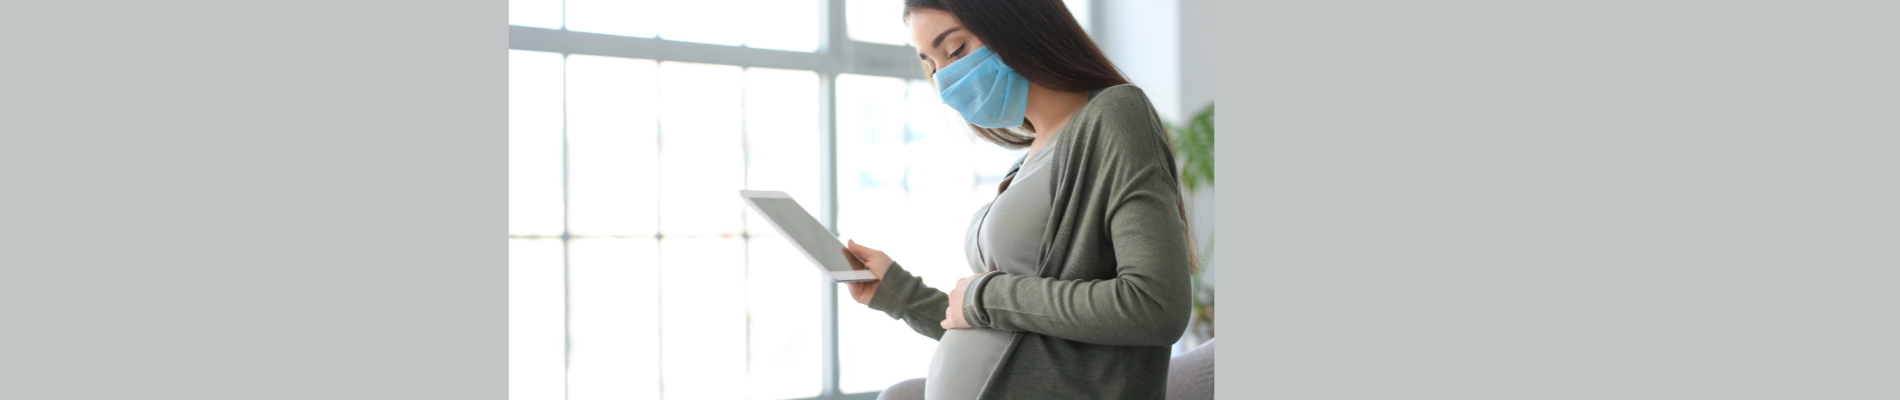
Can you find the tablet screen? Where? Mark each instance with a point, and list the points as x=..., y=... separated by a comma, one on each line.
x=804, y=230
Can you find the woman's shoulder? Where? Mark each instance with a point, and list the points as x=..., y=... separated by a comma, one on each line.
x=1122, y=99
x=1120, y=113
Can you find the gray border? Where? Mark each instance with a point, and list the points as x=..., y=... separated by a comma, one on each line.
x=1511, y=200
x=217, y=200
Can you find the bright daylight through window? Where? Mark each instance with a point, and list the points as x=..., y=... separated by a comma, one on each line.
x=634, y=269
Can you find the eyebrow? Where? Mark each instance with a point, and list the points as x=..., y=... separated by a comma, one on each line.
x=939, y=41
x=940, y=36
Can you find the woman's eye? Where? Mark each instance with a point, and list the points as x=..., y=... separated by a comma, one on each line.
x=958, y=52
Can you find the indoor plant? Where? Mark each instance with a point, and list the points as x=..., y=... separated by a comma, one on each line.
x=1194, y=149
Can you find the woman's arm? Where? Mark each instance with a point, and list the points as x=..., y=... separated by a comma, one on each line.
x=897, y=293
x=903, y=296
x=1146, y=303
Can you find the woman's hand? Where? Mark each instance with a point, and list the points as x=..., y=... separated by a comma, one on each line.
x=874, y=260
x=953, y=316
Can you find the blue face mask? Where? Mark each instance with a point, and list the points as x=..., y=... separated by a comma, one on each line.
x=986, y=92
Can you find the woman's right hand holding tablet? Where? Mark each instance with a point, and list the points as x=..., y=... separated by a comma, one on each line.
x=874, y=260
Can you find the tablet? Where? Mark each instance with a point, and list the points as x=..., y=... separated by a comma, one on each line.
x=806, y=234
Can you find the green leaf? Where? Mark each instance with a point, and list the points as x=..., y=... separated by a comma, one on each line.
x=1194, y=147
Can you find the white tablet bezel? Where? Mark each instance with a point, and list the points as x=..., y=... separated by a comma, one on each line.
x=855, y=275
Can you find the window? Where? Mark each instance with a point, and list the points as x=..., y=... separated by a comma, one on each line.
x=535, y=13
x=765, y=24
x=535, y=264
x=634, y=269
x=877, y=21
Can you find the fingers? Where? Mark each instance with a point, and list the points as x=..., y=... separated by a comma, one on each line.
x=862, y=251
x=857, y=249
x=946, y=324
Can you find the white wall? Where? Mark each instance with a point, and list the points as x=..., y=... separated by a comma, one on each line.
x=1143, y=38
x=1164, y=46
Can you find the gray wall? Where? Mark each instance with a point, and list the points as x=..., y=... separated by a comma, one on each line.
x=1198, y=75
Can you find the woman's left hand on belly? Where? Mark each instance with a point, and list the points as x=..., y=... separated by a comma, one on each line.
x=953, y=316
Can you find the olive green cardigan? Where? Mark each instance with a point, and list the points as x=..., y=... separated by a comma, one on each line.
x=1112, y=289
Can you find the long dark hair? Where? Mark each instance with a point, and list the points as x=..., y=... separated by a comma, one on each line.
x=1041, y=40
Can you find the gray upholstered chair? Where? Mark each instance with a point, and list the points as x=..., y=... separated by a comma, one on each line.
x=1190, y=377
x=909, y=389
x=1191, y=374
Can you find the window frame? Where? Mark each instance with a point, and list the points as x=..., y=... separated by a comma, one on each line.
x=836, y=54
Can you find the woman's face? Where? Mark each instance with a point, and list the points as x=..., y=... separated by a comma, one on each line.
x=940, y=38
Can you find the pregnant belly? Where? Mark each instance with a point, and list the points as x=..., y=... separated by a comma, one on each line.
x=963, y=363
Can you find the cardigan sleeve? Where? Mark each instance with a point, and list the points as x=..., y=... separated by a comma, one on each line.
x=1147, y=301
x=904, y=296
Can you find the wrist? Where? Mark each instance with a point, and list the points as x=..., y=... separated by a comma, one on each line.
x=973, y=299
x=887, y=300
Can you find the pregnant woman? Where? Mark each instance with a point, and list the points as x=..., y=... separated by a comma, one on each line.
x=1083, y=260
